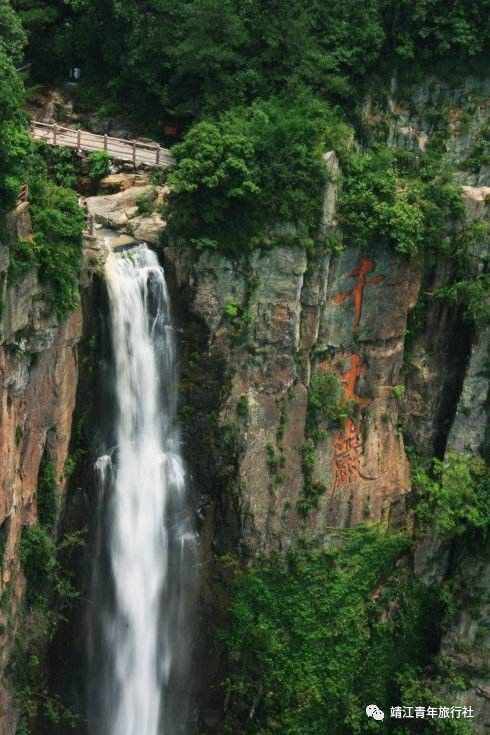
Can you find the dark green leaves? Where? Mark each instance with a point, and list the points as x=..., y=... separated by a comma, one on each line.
x=251, y=169
x=318, y=634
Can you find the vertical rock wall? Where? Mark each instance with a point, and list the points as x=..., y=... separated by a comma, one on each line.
x=38, y=379
x=290, y=318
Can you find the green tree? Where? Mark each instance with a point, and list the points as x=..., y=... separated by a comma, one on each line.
x=312, y=642
x=58, y=224
x=99, y=164
x=454, y=497
x=235, y=181
x=14, y=138
x=436, y=28
x=12, y=36
x=382, y=204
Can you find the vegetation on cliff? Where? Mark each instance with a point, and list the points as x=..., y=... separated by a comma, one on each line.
x=49, y=593
x=454, y=496
x=260, y=91
x=319, y=633
x=235, y=177
x=264, y=88
x=55, y=248
x=14, y=139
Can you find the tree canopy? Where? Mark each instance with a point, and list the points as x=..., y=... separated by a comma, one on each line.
x=200, y=56
x=14, y=139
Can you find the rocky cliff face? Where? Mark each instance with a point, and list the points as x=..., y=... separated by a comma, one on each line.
x=38, y=378
x=345, y=315
x=277, y=321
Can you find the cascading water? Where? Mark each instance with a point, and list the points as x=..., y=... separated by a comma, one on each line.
x=144, y=577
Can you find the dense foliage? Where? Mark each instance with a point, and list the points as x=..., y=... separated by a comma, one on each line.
x=207, y=55
x=56, y=246
x=49, y=593
x=235, y=178
x=455, y=496
x=263, y=83
x=319, y=634
x=14, y=140
x=391, y=199
x=57, y=220
x=99, y=164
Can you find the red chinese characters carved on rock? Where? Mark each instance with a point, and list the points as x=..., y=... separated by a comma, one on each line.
x=357, y=291
x=349, y=380
x=347, y=444
x=347, y=455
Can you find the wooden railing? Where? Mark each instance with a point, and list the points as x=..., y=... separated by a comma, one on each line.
x=135, y=151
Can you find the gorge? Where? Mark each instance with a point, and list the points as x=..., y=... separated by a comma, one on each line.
x=244, y=433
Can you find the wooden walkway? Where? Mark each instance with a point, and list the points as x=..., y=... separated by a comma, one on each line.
x=150, y=154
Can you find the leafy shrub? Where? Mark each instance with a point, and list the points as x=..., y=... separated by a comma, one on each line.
x=145, y=202
x=22, y=259
x=49, y=591
x=416, y=687
x=326, y=400
x=242, y=407
x=58, y=224
x=480, y=153
x=56, y=247
x=235, y=180
x=398, y=392
x=231, y=310
x=381, y=206
x=472, y=292
x=38, y=558
x=15, y=142
x=47, y=505
x=312, y=489
x=455, y=496
x=317, y=634
x=99, y=164
x=60, y=164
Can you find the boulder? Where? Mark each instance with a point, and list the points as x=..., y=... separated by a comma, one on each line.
x=147, y=228
x=115, y=183
x=115, y=210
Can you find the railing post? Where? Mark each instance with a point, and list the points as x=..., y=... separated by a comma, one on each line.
x=79, y=139
x=134, y=153
x=54, y=133
x=105, y=141
x=158, y=155
x=23, y=195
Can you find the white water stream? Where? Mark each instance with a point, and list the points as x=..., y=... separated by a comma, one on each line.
x=145, y=575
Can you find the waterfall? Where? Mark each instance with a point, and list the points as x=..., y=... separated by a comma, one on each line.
x=144, y=576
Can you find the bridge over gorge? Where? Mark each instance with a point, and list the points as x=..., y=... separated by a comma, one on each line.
x=135, y=151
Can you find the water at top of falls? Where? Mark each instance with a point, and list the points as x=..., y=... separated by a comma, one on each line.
x=144, y=574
